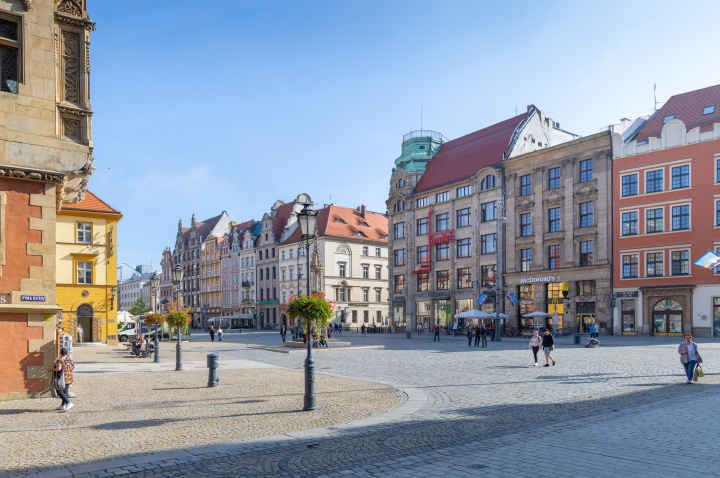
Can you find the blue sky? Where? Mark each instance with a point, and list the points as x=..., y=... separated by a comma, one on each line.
x=201, y=107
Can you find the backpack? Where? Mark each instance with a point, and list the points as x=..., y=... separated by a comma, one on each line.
x=59, y=381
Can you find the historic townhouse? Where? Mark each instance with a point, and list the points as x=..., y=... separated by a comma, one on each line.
x=350, y=266
x=188, y=246
x=559, y=233
x=230, y=269
x=443, y=205
x=277, y=225
x=45, y=162
x=86, y=253
x=210, y=278
x=165, y=291
x=248, y=241
x=666, y=215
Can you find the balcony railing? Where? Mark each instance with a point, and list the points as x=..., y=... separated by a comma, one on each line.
x=247, y=284
x=424, y=133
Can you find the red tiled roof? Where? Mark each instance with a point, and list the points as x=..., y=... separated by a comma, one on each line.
x=687, y=107
x=280, y=219
x=463, y=157
x=328, y=225
x=240, y=228
x=91, y=203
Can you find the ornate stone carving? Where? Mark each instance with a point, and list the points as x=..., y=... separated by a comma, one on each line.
x=30, y=174
x=28, y=4
x=524, y=207
x=74, y=111
x=87, y=57
x=70, y=8
x=71, y=129
x=74, y=21
x=71, y=57
x=57, y=49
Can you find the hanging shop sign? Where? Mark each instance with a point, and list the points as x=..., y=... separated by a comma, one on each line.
x=626, y=294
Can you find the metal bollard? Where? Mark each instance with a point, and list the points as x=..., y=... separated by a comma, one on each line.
x=212, y=363
x=408, y=335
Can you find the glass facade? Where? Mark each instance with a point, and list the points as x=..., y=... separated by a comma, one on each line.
x=422, y=313
x=442, y=313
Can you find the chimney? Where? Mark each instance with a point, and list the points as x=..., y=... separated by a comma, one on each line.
x=362, y=211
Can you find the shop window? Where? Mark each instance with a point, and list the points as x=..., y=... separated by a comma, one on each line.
x=554, y=218
x=654, y=181
x=716, y=317
x=654, y=264
x=629, y=223
x=443, y=252
x=680, y=263
x=526, y=186
x=654, y=220
x=526, y=303
x=586, y=170
x=667, y=317
x=422, y=282
x=442, y=312
x=525, y=260
x=681, y=177
x=422, y=226
x=443, y=280
x=630, y=184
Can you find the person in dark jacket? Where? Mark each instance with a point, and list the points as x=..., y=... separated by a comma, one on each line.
x=212, y=334
x=483, y=335
x=548, y=346
x=469, y=333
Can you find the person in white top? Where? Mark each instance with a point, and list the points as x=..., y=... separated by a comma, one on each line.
x=535, y=343
x=689, y=357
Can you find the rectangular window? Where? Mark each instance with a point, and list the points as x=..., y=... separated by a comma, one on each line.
x=554, y=178
x=708, y=110
x=463, y=248
x=366, y=272
x=399, y=230
x=630, y=265
x=378, y=293
x=399, y=257
x=84, y=230
x=586, y=287
x=463, y=278
x=680, y=263
x=629, y=185
x=377, y=252
x=442, y=197
x=464, y=191
x=488, y=243
x=680, y=217
x=366, y=294
x=489, y=279
x=554, y=254
x=9, y=55
x=654, y=220
x=422, y=202
x=422, y=282
x=423, y=254
x=422, y=226
x=525, y=260
x=364, y=251
x=654, y=264
x=680, y=177
x=586, y=170
x=366, y=315
x=342, y=269
x=717, y=171
x=463, y=217
x=525, y=224
x=488, y=211
x=586, y=214
x=378, y=272
x=354, y=316
x=400, y=284
x=554, y=216
x=443, y=280
x=586, y=253
x=525, y=185
x=443, y=252
x=629, y=223
x=654, y=181
x=442, y=222
x=84, y=269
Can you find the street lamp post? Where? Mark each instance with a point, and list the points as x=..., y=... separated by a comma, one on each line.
x=113, y=292
x=154, y=283
x=177, y=278
x=307, y=218
x=498, y=278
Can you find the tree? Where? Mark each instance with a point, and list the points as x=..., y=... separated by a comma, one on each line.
x=139, y=308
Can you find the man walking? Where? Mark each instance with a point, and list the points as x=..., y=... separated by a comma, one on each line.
x=419, y=329
x=477, y=336
x=483, y=336
x=469, y=332
x=362, y=329
x=212, y=334
x=283, y=331
x=437, y=333
x=548, y=346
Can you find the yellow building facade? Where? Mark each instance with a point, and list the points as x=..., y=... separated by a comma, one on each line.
x=86, y=235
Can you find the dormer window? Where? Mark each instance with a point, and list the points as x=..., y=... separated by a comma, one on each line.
x=360, y=234
x=668, y=118
x=340, y=221
x=421, y=147
x=365, y=224
x=400, y=183
x=708, y=110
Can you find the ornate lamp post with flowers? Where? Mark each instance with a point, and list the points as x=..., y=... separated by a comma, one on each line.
x=154, y=283
x=307, y=219
x=176, y=319
x=154, y=318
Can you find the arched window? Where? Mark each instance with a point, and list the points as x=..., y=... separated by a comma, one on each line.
x=667, y=317
x=488, y=182
x=85, y=310
x=400, y=183
x=399, y=206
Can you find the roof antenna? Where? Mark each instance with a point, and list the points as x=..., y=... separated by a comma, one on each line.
x=655, y=97
x=516, y=111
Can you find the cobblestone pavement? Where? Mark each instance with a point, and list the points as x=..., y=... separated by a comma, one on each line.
x=621, y=409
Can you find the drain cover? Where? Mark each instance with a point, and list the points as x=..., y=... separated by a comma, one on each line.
x=477, y=466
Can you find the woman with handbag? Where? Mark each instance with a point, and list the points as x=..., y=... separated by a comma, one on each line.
x=63, y=378
x=689, y=357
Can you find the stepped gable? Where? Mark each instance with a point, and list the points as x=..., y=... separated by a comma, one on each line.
x=688, y=108
x=463, y=157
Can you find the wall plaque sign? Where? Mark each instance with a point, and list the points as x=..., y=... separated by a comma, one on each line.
x=32, y=298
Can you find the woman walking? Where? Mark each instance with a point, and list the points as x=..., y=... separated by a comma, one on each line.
x=535, y=343
x=64, y=367
x=220, y=333
x=689, y=356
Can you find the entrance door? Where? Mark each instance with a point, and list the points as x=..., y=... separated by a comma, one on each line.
x=584, y=321
x=667, y=318
x=85, y=315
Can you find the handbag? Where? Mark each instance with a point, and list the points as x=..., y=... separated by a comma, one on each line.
x=59, y=382
x=699, y=371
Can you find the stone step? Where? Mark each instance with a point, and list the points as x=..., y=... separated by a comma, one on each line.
x=300, y=344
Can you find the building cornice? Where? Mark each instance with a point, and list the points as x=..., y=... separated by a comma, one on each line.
x=563, y=146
